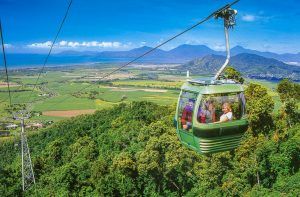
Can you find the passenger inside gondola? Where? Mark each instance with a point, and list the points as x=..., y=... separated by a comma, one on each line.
x=219, y=108
x=207, y=114
x=227, y=113
x=187, y=115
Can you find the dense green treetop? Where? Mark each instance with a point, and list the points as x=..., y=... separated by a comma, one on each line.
x=231, y=73
x=132, y=150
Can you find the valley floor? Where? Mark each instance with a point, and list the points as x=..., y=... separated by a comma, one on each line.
x=64, y=92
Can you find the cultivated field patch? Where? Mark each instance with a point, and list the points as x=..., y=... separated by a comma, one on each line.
x=68, y=113
x=4, y=85
x=137, y=89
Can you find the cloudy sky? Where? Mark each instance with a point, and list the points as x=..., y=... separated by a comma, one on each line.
x=29, y=26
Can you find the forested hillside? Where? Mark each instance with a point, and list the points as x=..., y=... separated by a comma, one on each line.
x=250, y=65
x=132, y=150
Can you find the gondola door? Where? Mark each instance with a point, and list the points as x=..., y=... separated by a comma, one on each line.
x=185, y=113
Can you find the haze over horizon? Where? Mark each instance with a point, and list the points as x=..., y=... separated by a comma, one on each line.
x=117, y=25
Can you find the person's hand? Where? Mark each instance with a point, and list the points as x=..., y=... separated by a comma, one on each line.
x=185, y=127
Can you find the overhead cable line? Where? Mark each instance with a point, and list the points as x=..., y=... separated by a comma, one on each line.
x=213, y=14
x=4, y=60
x=51, y=47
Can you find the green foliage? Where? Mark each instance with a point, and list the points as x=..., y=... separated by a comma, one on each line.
x=231, y=73
x=259, y=108
x=289, y=94
x=132, y=150
x=288, y=90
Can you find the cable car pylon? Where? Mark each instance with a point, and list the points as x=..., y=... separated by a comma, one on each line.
x=27, y=170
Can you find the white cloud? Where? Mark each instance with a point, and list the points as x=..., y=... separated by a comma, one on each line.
x=93, y=44
x=109, y=44
x=127, y=45
x=266, y=46
x=63, y=43
x=8, y=46
x=218, y=47
x=75, y=44
x=143, y=43
x=46, y=44
x=249, y=17
x=260, y=16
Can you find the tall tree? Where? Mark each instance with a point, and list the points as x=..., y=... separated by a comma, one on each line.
x=260, y=105
x=289, y=94
x=231, y=73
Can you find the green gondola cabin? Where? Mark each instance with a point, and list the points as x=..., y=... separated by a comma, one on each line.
x=205, y=133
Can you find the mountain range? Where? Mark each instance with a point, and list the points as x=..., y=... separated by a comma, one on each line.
x=181, y=53
x=196, y=58
x=285, y=57
x=200, y=59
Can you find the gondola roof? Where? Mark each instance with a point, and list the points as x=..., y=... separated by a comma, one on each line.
x=211, y=86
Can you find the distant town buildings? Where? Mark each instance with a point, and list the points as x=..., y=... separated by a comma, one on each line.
x=31, y=125
x=34, y=125
x=11, y=126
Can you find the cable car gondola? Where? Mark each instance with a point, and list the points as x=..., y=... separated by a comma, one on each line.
x=210, y=115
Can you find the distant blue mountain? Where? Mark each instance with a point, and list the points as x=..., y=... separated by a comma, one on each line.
x=286, y=57
x=158, y=53
x=183, y=53
x=190, y=51
x=180, y=54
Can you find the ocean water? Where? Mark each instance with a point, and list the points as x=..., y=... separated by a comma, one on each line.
x=37, y=60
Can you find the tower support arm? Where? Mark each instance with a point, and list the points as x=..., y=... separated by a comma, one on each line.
x=227, y=54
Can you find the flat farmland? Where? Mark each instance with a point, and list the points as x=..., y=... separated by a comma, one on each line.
x=69, y=91
x=150, y=83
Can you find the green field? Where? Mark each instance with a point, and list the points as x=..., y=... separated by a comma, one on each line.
x=66, y=88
